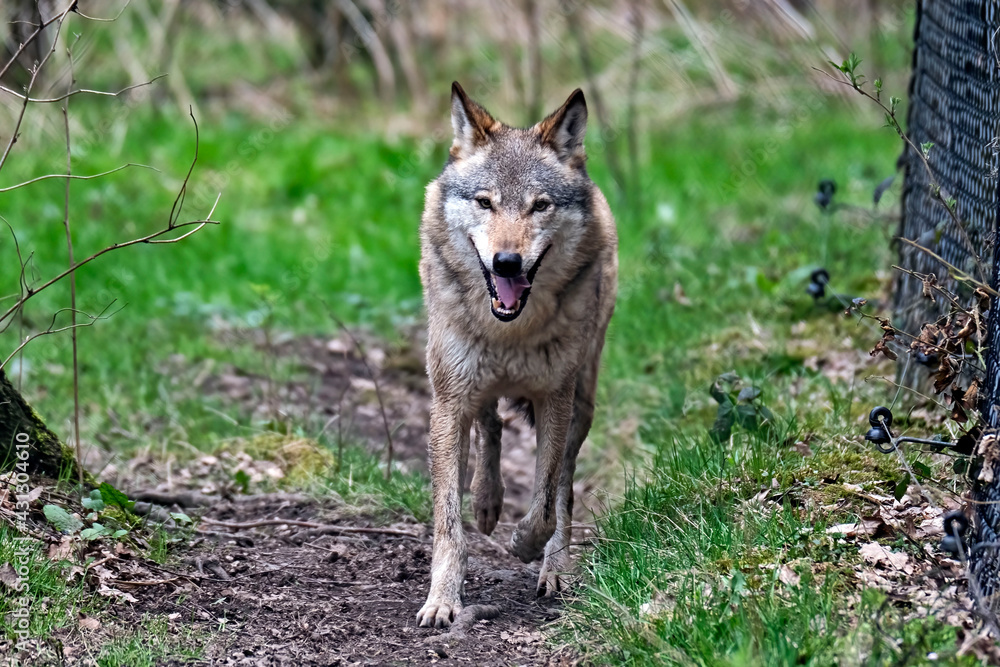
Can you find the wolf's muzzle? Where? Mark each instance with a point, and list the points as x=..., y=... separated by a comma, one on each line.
x=508, y=289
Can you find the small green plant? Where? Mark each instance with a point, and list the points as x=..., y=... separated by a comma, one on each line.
x=739, y=405
x=110, y=515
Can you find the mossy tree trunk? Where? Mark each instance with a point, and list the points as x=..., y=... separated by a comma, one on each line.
x=20, y=425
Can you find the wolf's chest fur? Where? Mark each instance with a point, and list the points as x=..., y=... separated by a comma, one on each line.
x=530, y=356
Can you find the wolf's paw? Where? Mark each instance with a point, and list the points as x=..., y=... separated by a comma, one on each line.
x=487, y=503
x=553, y=577
x=438, y=613
x=529, y=538
x=550, y=583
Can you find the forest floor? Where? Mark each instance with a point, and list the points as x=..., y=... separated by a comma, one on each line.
x=335, y=586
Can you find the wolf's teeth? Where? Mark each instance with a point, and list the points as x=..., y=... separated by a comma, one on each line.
x=504, y=310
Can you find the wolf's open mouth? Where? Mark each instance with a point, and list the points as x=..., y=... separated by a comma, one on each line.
x=508, y=296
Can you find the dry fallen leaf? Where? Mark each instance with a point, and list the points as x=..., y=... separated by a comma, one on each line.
x=866, y=527
x=109, y=592
x=874, y=553
x=61, y=550
x=8, y=577
x=787, y=576
x=679, y=296
x=90, y=623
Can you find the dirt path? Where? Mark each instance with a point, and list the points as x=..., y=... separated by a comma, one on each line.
x=344, y=600
x=273, y=595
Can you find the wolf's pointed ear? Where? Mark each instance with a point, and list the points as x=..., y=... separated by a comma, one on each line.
x=471, y=122
x=565, y=128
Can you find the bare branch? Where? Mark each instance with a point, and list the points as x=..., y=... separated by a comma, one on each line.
x=175, y=210
x=378, y=390
x=957, y=273
x=110, y=20
x=936, y=193
x=93, y=319
x=77, y=178
x=78, y=91
x=149, y=238
x=59, y=19
x=33, y=36
x=72, y=276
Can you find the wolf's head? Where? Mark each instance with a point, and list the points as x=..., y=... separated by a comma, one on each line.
x=510, y=195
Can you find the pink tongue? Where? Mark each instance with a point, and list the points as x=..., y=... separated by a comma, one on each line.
x=510, y=289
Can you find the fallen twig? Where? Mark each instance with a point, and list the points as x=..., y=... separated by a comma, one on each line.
x=242, y=525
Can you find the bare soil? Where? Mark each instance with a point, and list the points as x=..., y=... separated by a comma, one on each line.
x=343, y=600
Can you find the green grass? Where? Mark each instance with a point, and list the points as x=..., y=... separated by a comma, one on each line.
x=687, y=571
x=52, y=601
x=151, y=642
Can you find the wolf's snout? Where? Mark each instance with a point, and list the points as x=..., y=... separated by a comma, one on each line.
x=506, y=264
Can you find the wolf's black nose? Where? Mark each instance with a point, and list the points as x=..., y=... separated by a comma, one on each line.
x=506, y=264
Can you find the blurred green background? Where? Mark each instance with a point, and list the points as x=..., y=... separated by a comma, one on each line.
x=320, y=124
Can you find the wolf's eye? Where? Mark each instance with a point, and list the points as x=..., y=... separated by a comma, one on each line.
x=540, y=206
x=484, y=202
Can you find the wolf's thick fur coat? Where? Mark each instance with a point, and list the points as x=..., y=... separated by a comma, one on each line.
x=512, y=208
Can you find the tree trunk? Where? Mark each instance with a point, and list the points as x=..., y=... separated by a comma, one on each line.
x=19, y=425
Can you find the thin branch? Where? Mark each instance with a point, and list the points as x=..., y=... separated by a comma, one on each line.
x=890, y=114
x=94, y=319
x=72, y=276
x=77, y=178
x=22, y=285
x=33, y=36
x=78, y=91
x=149, y=238
x=100, y=20
x=957, y=273
x=34, y=75
x=241, y=525
x=175, y=210
x=172, y=225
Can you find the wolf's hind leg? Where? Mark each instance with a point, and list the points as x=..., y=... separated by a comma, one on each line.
x=487, y=482
x=556, y=565
x=553, y=415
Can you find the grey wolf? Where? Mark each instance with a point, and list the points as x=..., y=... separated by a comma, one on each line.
x=519, y=266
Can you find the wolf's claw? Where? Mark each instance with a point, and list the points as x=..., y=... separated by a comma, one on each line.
x=549, y=583
x=552, y=579
x=438, y=614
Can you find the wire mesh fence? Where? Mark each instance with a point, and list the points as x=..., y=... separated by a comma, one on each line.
x=954, y=116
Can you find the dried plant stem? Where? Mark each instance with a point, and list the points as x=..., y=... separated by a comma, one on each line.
x=378, y=392
x=72, y=279
x=569, y=10
x=638, y=24
x=956, y=272
x=890, y=114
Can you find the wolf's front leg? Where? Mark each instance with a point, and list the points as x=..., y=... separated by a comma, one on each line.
x=534, y=530
x=449, y=450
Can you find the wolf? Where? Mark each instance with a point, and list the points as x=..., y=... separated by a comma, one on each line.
x=519, y=265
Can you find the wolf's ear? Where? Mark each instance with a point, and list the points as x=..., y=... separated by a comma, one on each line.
x=471, y=122
x=564, y=129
